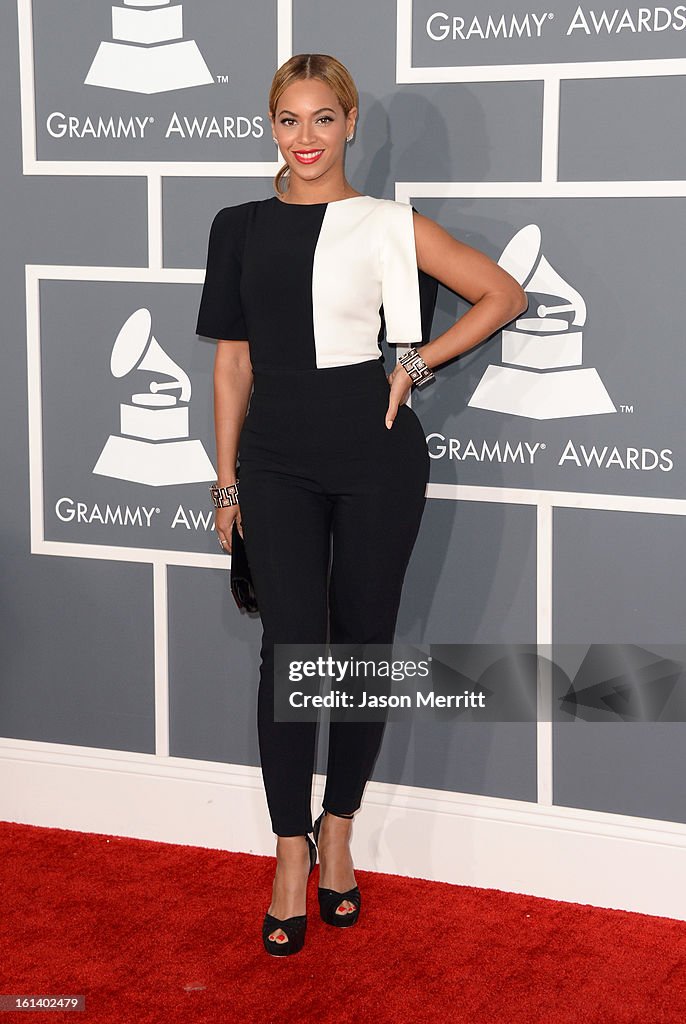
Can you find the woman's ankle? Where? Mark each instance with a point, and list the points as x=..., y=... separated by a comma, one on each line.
x=291, y=850
x=338, y=814
x=291, y=874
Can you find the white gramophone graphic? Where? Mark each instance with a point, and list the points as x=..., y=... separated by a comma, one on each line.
x=156, y=448
x=539, y=381
x=149, y=53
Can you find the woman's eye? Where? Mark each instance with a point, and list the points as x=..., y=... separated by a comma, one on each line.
x=290, y=120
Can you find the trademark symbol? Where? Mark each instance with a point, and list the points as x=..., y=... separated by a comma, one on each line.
x=223, y=79
x=626, y=408
x=542, y=445
x=156, y=510
x=152, y=120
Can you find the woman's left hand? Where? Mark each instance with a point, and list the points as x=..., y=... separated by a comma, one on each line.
x=400, y=384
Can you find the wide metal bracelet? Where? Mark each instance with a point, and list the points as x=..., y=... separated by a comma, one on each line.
x=416, y=367
x=223, y=497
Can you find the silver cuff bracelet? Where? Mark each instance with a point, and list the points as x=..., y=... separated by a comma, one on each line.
x=416, y=367
x=223, y=497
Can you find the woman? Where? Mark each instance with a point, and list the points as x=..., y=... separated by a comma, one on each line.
x=330, y=451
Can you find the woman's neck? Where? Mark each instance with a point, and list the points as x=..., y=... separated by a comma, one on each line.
x=311, y=196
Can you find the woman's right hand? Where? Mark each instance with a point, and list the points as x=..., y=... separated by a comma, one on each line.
x=223, y=524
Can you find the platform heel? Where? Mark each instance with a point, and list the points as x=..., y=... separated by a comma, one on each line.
x=293, y=927
x=330, y=899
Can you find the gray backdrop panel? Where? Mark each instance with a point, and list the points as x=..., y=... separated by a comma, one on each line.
x=600, y=141
x=473, y=575
x=76, y=637
x=618, y=578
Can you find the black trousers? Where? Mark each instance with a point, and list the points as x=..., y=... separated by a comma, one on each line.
x=331, y=503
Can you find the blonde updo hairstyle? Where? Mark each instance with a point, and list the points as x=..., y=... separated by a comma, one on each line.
x=311, y=65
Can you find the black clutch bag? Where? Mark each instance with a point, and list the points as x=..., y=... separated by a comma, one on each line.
x=241, y=579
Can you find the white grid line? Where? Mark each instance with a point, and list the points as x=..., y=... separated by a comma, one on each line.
x=550, y=132
x=161, y=658
x=155, y=226
x=544, y=636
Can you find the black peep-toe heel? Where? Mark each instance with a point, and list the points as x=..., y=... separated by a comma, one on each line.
x=293, y=927
x=330, y=899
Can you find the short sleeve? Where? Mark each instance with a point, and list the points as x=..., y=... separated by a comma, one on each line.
x=408, y=294
x=221, y=314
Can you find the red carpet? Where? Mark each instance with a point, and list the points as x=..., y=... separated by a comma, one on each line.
x=154, y=933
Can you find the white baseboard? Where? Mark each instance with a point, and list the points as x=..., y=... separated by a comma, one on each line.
x=568, y=854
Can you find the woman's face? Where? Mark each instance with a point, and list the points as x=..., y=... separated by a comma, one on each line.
x=311, y=128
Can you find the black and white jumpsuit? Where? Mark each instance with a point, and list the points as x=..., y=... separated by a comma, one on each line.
x=311, y=288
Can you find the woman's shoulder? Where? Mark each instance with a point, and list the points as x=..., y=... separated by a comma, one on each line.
x=388, y=202
x=237, y=212
x=231, y=222
x=393, y=216
x=394, y=209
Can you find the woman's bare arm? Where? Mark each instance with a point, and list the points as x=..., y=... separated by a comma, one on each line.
x=495, y=295
x=233, y=381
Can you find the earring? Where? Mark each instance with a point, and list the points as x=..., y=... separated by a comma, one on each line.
x=349, y=138
x=274, y=140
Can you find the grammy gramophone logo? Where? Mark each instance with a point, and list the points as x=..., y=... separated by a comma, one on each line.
x=154, y=446
x=148, y=53
x=542, y=374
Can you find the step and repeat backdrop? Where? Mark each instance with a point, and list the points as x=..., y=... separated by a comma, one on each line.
x=548, y=138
